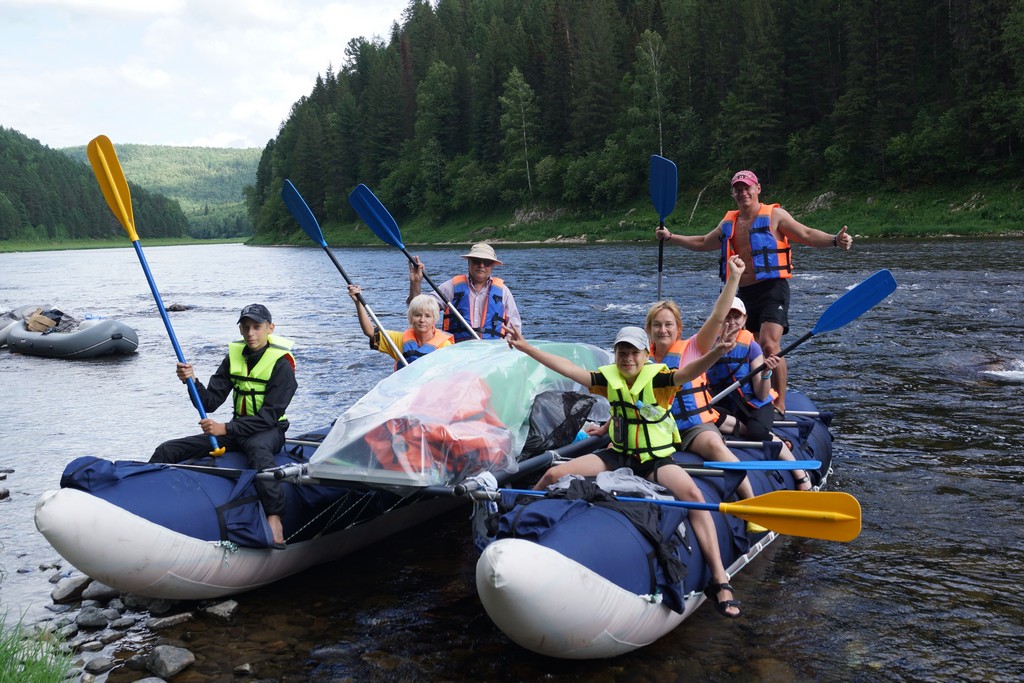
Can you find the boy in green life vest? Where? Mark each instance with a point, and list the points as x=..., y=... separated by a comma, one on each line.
x=260, y=370
x=643, y=431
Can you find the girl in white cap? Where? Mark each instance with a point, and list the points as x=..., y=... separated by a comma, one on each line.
x=643, y=432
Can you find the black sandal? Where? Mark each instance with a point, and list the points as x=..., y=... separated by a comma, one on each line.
x=712, y=591
x=802, y=480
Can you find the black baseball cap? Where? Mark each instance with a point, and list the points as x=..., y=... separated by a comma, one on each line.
x=257, y=312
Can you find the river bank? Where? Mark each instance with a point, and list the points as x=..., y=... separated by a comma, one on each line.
x=974, y=210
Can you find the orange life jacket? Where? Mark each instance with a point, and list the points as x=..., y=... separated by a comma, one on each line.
x=770, y=257
x=411, y=349
x=451, y=431
x=693, y=402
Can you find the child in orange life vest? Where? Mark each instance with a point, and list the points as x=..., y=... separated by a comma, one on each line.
x=631, y=354
x=748, y=410
x=421, y=338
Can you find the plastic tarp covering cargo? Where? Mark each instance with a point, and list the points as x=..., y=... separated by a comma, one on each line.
x=453, y=413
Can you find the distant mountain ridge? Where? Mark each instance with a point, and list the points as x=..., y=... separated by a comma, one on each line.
x=208, y=182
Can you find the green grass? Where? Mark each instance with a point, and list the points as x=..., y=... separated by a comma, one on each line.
x=58, y=245
x=971, y=210
x=28, y=658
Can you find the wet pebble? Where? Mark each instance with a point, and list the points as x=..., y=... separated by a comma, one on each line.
x=167, y=661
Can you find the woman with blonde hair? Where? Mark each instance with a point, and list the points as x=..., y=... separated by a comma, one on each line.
x=421, y=338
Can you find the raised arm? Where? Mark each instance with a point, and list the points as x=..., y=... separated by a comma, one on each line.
x=812, y=237
x=762, y=382
x=562, y=366
x=415, y=278
x=364, y=320
x=708, y=242
x=693, y=369
x=713, y=325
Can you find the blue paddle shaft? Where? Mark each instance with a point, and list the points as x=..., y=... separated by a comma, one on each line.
x=751, y=465
x=384, y=226
x=304, y=215
x=847, y=308
x=192, y=390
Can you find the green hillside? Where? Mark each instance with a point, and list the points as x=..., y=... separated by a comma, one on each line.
x=47, y=197
x=208, y=182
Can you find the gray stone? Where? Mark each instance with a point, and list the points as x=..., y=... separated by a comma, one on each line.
x=123, y=624
x=108, y=637
x=167, y=661
x=151, y=679
x=4, y=493
x=157, y=623
x=246, y=669
x=116, y=603
x=99, y=591
x=152, y=605
x=69, y=589
x=67, y=631
x=222, y=610
x=99, y=665
x=111, y=614
x=91, y=617
x=136, y=662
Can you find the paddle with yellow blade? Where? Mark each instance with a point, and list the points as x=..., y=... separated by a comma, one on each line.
x=828, y=515
x=115, y=190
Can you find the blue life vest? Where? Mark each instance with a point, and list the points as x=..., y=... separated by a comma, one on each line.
x=494, y=317
x=734, y=365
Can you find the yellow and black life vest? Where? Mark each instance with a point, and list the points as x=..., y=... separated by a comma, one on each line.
x=631, y=433
x=251, y=385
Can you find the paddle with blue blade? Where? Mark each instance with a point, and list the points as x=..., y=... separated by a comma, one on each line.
x=828, y=515
x=847, y=308
x=302, y=213
x=664, y=188
x=383, y=225
x=115, y=190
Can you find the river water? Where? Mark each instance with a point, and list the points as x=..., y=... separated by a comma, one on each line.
x=927, y=389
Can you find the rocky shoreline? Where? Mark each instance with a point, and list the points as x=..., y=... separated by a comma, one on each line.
x=119, y=637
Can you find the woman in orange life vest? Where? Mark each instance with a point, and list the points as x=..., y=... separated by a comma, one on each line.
x=748, y=410
x=695, y=417
x=421, y=338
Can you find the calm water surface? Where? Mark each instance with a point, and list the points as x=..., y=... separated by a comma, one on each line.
x=927, y=388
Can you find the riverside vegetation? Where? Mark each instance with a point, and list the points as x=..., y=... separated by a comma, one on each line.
x=979, y=210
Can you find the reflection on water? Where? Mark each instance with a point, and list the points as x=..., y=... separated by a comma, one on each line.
x=929, y=431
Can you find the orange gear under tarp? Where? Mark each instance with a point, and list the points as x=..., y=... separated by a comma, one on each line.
x=454, y=433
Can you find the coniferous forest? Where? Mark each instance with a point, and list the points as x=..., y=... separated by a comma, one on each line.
x=473, y=104
x=46, y=196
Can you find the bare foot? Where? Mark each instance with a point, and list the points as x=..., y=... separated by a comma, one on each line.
x=276, y=528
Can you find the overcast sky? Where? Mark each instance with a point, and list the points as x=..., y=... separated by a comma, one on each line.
x=212, y=73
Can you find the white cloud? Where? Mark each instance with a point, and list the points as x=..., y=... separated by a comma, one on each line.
x=178, y=72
